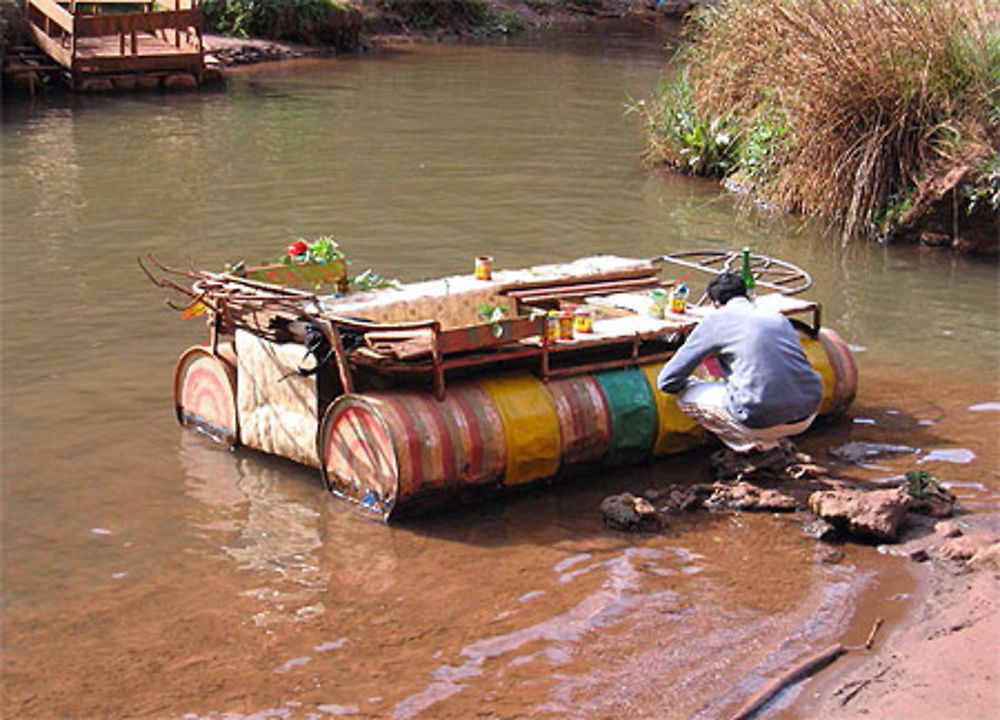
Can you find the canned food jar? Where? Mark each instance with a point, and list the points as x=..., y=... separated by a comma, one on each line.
x=565, y=324
x=551, y=327
x=583, y=320
x=484, y=267
x=657, y=301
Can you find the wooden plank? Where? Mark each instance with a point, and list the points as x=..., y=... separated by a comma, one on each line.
x=96, y=25
x=52, y=48
x=60, y=16
x=139, y=63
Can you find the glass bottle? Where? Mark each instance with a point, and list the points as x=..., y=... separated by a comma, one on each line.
x=746, y=273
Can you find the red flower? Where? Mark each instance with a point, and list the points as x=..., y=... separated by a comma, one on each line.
x=297, y=248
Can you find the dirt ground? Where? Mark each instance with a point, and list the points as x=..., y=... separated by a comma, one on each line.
x=943, y=661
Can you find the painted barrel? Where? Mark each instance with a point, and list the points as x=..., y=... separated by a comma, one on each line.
x=389, y=449
x=676, y=431
x=205, y=392
x=584, y=421
x=530, y=426
x=633, y=410
x=839, y=371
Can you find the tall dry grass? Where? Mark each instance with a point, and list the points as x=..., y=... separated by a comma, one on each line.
x=859, y=99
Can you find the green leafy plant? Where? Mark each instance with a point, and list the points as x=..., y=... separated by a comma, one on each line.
x=371, y=280
x=316, y=22
x=985, y=192
x=684, y=137
x=500, y=22
x=321, y=251
x=493, y=314
x=920, y=482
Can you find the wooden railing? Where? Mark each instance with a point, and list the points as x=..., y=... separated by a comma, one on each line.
x=59, y=30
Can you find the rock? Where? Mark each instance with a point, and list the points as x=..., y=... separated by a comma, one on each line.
x=627, y=512
x=873, y=515
x=947, y=529
x=746, y=496
x=986, y=558
x=964, y=547
x=680, y=499
x=727, y=465
x=820, y=529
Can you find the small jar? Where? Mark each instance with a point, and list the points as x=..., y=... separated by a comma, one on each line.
x=565, y=324
x=583, y=320
x=551, y=327
x=484, y=267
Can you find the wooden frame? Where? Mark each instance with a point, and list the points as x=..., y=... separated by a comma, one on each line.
x=147, y=41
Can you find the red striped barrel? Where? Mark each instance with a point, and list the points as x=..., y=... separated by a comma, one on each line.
x=845, y=371
x=584, y=421
x=205, y=392
x=394, y=451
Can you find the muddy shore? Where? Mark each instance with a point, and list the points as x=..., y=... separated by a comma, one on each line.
x=941, y=661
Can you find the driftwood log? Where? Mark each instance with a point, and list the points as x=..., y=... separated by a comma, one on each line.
x=802, y=670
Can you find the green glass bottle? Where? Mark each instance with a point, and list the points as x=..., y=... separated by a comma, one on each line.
x=746, y=274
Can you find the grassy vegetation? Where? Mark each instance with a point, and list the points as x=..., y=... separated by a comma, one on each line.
x=314, y=22
x=475, y=17
x=837, y=108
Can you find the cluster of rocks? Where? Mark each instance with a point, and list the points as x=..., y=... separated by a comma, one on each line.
x=249, y=54
x=785, y=480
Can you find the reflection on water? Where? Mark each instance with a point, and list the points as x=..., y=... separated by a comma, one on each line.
x=147, y=574
x=268, y=533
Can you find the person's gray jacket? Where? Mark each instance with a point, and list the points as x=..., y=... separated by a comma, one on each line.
x=768, y=377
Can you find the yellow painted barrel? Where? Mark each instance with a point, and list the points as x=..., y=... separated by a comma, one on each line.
x=676, y=431
x=530, y=425
x=832, y=359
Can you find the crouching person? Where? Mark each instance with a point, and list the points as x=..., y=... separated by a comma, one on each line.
x=770, y=390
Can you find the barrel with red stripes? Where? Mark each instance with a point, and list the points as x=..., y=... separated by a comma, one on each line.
x=205, y=392
x=397, y=450
x=584, y=421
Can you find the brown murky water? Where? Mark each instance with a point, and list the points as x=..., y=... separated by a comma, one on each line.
x=146, y=574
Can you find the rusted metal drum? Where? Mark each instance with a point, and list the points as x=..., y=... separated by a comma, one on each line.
x=530, y=426
x=832, y=359
x=584, y=421
x=676, y=431
x=406, y=449
x=845, y=373
x=632, y=407
x=205, y=392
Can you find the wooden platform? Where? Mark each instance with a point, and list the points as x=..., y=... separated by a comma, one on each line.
x=97, y=43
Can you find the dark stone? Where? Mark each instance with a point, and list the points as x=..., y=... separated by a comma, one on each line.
x=821, y=530
x=749, y=497
x=627, y=512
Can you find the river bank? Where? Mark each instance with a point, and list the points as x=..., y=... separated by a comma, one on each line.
x=941, y=660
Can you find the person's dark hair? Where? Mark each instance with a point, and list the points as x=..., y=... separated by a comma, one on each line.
x=725, y=286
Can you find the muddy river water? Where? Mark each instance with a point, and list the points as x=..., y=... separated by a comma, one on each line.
x=147, y=574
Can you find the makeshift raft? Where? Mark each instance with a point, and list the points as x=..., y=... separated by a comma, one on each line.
x=416, y=399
